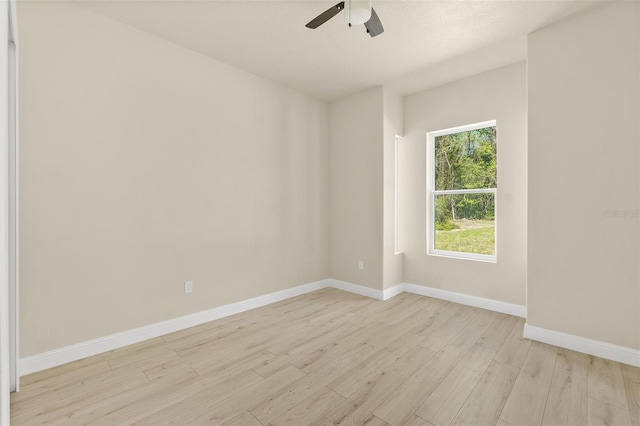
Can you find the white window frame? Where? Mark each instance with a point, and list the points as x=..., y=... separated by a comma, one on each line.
x=431, y=196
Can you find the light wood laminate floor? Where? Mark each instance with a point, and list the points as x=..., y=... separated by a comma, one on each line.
x=335, y=358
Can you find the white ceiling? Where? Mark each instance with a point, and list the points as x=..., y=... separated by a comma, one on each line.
x=425, y=42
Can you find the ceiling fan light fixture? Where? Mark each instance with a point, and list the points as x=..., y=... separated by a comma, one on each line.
x=358, y=11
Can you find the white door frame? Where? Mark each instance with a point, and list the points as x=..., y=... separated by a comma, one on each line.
x=4, y=215
x=13, y=198
x=8, y=360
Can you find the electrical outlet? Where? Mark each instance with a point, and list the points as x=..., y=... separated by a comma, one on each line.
x=188, y=287
x=361, y=265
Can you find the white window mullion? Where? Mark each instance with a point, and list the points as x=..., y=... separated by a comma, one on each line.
x=465, y=191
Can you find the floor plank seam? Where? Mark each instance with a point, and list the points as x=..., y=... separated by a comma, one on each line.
x=546, y=401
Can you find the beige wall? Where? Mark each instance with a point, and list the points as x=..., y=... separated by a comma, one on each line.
x=499, y=95
x=144, y=165
x=393, y=122
x=356, y=181
x=583, y=100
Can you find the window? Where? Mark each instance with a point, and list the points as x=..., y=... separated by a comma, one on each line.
x=462, y=181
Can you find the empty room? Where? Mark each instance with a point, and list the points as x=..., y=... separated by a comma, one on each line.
x=299, y=212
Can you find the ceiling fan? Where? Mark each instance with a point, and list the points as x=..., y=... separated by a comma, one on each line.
x=358, y=12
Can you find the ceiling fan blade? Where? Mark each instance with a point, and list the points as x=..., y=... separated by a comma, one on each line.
x=325, y=16
x=373, y=25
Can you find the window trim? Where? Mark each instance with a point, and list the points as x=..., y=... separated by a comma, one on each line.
x=431, y=196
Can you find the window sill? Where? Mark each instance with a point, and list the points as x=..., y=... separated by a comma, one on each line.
x=464, y=256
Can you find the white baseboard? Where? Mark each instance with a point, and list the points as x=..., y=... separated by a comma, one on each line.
x=581, y=344
x=466, y=299
x=356, y=288
x=92, y=347
x=78, y=351
x=393, y=291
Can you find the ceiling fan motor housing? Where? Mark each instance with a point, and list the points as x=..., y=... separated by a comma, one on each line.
x=358, y=11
